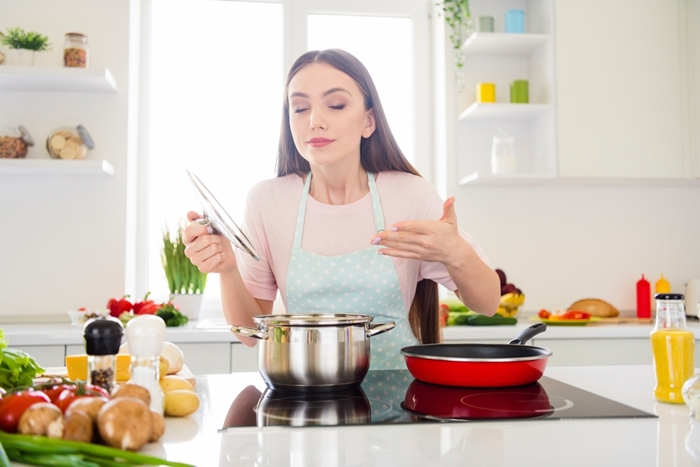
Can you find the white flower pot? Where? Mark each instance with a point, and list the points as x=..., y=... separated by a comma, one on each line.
x=188, y=304
x=20, y=57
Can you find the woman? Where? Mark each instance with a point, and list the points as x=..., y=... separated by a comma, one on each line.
x=348, y=225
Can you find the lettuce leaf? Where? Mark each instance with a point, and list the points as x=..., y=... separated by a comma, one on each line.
x=17, y=368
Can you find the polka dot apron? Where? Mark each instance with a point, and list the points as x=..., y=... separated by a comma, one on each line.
x=359, y=282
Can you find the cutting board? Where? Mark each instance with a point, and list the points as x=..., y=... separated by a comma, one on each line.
x=62, y=372
x=625, y=319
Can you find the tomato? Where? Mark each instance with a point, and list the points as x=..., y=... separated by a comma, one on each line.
x=71, y=393
x=55, y=391
x=13, y=406
x=572, y=314
x=544, y=314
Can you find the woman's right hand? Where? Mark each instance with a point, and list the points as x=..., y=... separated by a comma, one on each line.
x=210, y=253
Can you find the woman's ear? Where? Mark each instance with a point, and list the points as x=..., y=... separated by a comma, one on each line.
x=370, y=124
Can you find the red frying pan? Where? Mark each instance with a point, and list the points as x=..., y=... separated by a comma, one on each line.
x=479, y=365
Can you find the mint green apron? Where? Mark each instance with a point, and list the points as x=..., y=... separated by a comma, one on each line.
x=359, y=282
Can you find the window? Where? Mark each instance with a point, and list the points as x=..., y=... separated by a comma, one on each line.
x=214, y=90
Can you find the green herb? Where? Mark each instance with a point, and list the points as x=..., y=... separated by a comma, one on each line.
x=171, y=315
x=183, y=276
x=17, y=369
x=40, y=450
x=16, y=38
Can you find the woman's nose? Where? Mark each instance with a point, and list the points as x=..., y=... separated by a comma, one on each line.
x=317, y=119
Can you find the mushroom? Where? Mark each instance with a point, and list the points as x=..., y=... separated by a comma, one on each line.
x=125, y=423
x=158, y=426
x=78, y=427
x=90, y=406
x=133, y=390
x=42, y=418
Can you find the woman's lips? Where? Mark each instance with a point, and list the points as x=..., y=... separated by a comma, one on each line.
x=319, y=142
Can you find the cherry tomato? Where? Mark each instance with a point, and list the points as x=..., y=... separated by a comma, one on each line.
x=69, y=394
x=55, y=391
x=544, y=314
x=13, y=406
x=576, y=315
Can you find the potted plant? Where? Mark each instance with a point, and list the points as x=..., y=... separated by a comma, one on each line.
x=185, y=281
x=461, y=26
x=23, y=46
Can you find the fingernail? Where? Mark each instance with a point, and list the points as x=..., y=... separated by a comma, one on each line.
x=210, y=230
x=376, y=240
x=380, y=252
x=394, y=229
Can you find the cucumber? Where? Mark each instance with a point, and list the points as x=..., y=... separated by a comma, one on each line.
x=495, y=320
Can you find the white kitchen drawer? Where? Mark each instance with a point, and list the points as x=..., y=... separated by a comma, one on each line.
x=243, y=358
x=45, y=355
x=207, y=358
x=75, y=349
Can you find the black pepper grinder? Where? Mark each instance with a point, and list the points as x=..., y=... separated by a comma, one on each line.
x=103, y=336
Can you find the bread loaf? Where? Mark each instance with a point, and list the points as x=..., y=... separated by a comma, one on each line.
x=596, y=307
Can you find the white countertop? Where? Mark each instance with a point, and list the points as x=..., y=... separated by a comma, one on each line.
x=670, y=440
x=215, y=330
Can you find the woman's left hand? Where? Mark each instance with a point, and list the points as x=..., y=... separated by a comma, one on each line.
x=437, y=241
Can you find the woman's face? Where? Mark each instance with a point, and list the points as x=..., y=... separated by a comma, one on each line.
x=327, y=115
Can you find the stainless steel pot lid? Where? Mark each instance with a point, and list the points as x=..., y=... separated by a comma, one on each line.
x=312, y=319
x=216, y=216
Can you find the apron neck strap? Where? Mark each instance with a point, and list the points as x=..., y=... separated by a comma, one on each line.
x=376, y=208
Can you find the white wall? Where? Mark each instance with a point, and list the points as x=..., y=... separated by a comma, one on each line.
x=561, y=244
x=63, y=238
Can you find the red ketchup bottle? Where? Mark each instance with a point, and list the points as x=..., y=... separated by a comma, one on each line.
x=643, y=298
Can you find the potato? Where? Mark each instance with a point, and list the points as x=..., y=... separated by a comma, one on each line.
x=133, y=390
x=181, y=402
x=78, y=426
x=175, y=357
x=125, y=423
x=163, y=366
x=173, y=382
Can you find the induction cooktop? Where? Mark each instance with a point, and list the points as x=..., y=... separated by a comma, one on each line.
x=395, y=397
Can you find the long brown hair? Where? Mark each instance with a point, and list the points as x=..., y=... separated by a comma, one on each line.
x=379, y=152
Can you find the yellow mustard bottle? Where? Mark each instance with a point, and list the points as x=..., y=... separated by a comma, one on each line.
x=673, y=346
x=662, y=285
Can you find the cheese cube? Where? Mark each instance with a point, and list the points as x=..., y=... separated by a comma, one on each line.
x=77, y=366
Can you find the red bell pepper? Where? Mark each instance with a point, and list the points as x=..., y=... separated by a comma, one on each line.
x=118, y=306
x=146, y=306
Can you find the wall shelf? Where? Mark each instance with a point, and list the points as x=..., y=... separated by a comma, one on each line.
x=33, y=78
x=55, y=167
x=494, y=43
x=487, y=179
x=523, y=112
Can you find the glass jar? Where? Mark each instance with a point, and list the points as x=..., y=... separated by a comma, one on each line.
x=102, y=340
x=673, y=346
x=503, y=153
x=76, y=53
x=15, y=142
x=69, y=143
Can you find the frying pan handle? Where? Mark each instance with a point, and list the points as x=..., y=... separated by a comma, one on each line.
x=529, y=333
x=378, y=328
x=248, y=332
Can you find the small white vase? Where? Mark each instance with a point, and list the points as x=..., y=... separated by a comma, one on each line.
x=20, y=57
x=188, y=304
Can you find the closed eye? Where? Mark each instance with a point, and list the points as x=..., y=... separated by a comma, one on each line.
x=338, y=107
x=296, y=111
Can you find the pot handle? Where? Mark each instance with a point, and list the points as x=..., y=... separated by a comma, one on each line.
x=248, y=332
x=529, y=333
x=378, y=328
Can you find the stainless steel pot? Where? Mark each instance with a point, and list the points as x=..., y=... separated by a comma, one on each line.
x=330, y=409
x=324, y=351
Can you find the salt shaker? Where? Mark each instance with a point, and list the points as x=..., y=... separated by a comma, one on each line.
x=145, y=335
x=102, y=339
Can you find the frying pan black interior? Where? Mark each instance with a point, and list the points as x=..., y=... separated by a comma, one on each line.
x=477, y=351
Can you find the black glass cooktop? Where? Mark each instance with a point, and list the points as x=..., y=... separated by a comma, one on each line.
x=395, y=397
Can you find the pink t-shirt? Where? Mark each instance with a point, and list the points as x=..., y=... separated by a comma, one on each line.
x=331, y=230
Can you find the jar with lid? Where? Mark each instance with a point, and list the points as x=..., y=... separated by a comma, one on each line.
x=15, y=142
x=673, y=346
x=76, y=53
x=69, y=143
x=503, y=153
x=103, y=336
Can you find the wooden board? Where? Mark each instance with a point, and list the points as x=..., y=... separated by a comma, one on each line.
x=626, y=319
x=62, y=372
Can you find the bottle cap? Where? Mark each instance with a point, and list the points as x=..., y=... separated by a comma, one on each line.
x=103, y=336
x=669, y=296
x=145, y=335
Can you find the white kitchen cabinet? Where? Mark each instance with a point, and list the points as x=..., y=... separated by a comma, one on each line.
x=207, y=357
x=500, y=58
x=45, y=355
x=622, y=89
x=243, y=358
x=75, y=350
x=589, y=352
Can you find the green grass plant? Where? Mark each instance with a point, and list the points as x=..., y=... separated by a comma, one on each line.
x=183, y=276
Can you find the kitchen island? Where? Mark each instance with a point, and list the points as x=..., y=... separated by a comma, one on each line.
x=672, y=439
